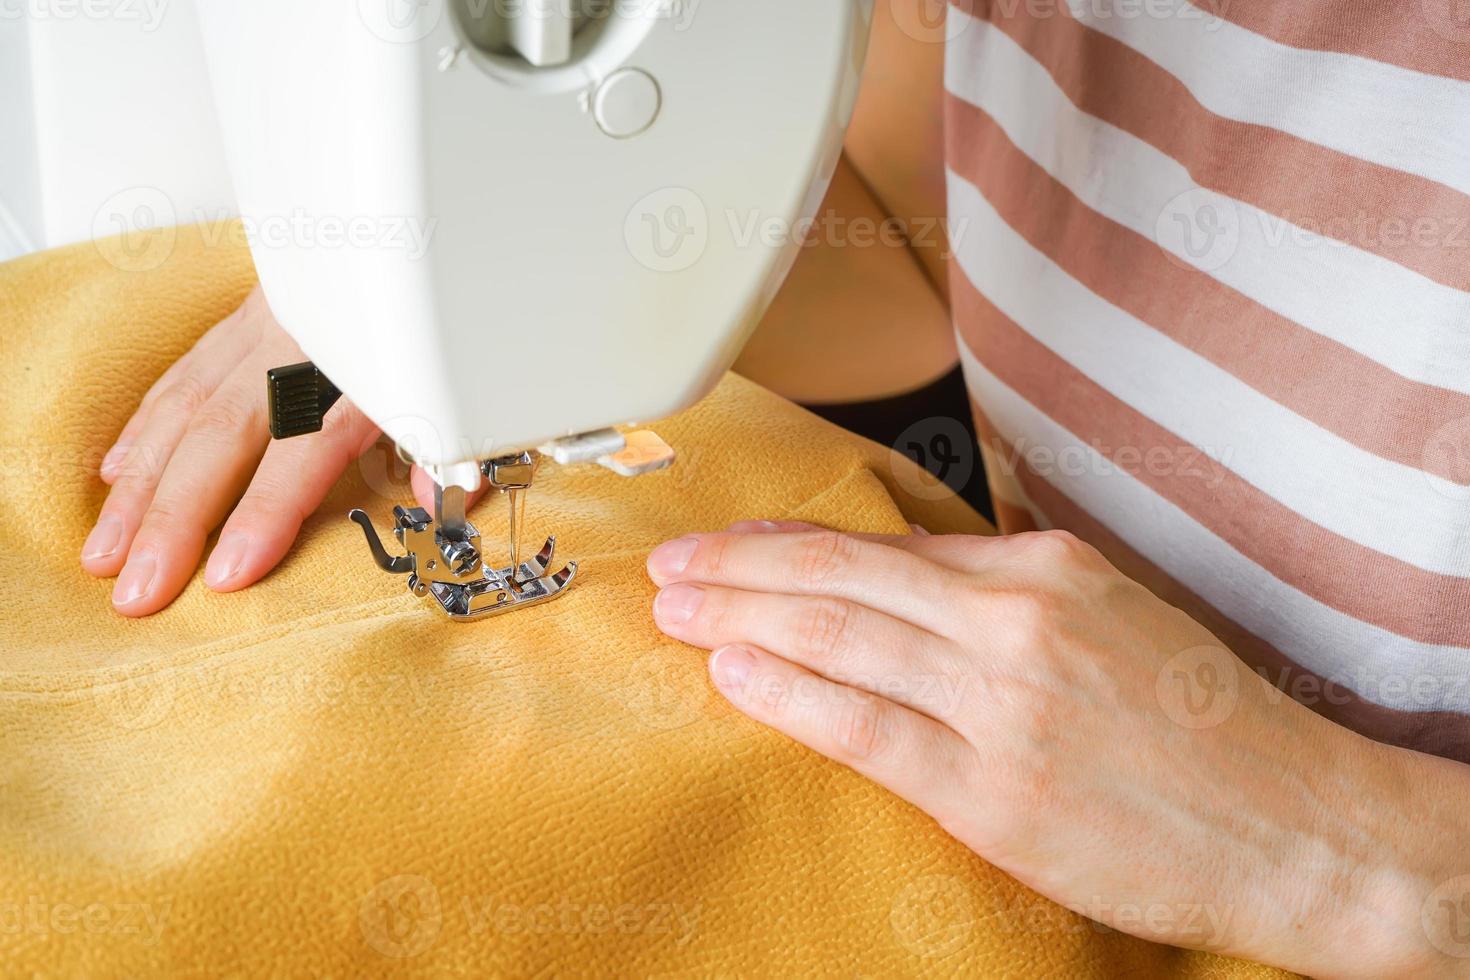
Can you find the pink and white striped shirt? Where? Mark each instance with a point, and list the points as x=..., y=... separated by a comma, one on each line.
x=1211, y=278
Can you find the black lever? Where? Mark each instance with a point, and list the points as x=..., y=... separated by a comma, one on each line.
x=299, y=396
x=388, y=563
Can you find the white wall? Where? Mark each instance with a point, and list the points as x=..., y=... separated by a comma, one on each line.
x=20, y=189
x=105, y=120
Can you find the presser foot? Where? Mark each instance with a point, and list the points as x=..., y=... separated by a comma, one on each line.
x=452, y=571
x=500, y=591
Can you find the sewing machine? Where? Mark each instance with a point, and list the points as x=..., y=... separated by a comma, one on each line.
x=510, y=231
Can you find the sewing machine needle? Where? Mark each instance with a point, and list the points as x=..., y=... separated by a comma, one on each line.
x=517, y=503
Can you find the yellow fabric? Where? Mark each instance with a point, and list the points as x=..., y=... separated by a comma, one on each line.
x=322, y=774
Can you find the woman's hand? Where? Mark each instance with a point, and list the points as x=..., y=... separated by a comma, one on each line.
x=1074, y=730
x=200, y=440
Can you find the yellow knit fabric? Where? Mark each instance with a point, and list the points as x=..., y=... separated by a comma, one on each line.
x=323, y=775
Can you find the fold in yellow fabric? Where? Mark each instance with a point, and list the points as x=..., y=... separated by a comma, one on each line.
x=322, y=774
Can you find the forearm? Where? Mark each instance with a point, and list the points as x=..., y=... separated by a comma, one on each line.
x=1377, y=878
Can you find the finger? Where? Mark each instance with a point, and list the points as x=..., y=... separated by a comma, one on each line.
x=961, y=552
x=775, y=527
x=914, y=756
x=838, y=639
x=907, y=541
x=888, y=579
x=293, y=479
x=423, y=490
x=224, y=345
x=220, y=449
x=106, y=547
x=117, y=454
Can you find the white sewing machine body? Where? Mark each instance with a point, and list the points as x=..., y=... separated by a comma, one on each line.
x=491, y=233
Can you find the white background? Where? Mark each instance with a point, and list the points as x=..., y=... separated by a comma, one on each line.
x=98, y=97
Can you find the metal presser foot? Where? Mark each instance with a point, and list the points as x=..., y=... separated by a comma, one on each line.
x=445, y=558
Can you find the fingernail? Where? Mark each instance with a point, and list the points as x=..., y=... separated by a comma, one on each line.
x=671, y=557
x=920, y=530
x=104, y=538
x=113, y=461
x=754, y=527
x=136, y=578
x=677, y=604
x=225, y=560
x=731, y=667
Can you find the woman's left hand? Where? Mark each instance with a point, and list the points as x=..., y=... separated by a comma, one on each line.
x=1068, y=726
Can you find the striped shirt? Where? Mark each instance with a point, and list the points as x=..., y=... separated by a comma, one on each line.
x=1211, y=279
